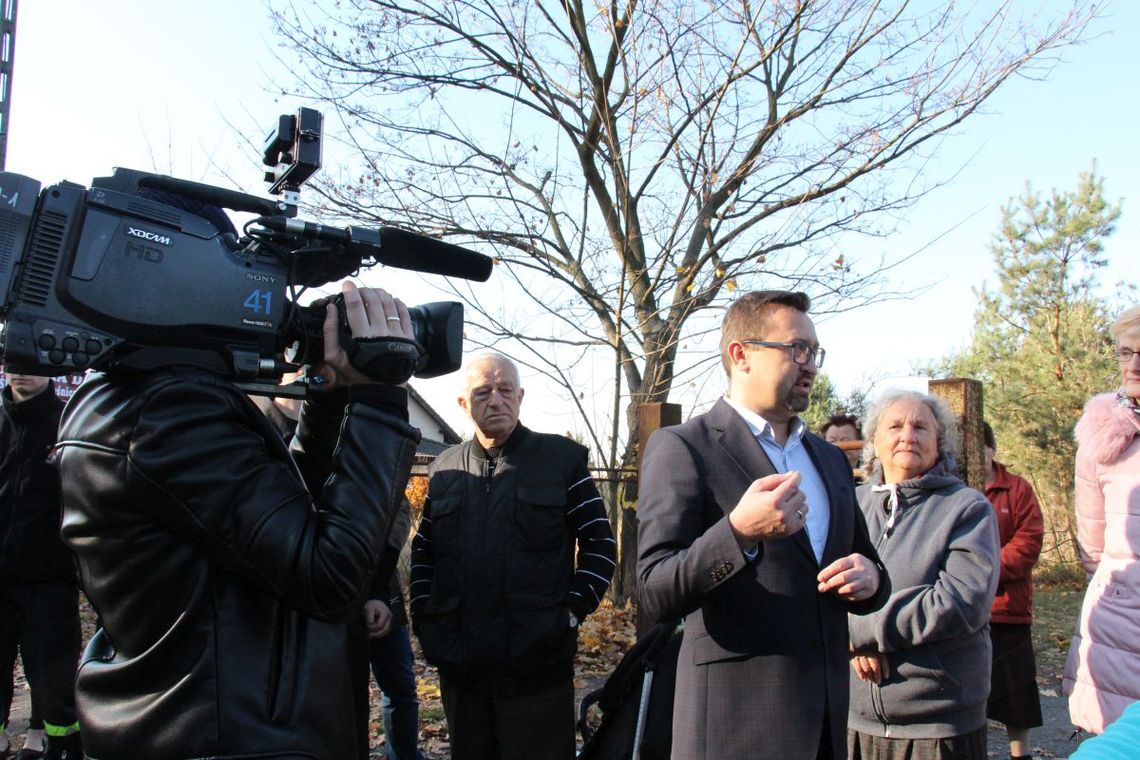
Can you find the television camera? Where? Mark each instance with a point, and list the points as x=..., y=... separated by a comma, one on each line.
x=142, y=271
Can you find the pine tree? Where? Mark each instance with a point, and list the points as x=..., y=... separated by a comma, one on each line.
x=822, y=403
x=1041, y=343
x=825, y=401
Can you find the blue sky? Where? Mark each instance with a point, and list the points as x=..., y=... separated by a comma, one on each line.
x=1044, y=132
x=171, y=87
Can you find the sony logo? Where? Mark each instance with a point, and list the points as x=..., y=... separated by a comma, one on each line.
x=154, y=237
x=258, y=277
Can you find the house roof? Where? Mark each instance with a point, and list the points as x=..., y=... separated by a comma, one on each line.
x=428, y=446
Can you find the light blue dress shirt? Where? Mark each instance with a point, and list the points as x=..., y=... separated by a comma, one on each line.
x=794, y=456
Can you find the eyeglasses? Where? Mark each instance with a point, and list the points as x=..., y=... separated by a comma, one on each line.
x=1124, y=355
x=802, y=353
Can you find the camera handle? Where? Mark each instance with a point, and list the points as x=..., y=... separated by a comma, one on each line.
x=386, y=360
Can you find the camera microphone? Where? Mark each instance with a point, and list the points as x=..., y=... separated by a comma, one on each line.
x=393, y=246
x=407, y=250
x=322, y=232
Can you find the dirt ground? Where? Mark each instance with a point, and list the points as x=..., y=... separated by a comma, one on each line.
x=609, y=633
x=1057, y=606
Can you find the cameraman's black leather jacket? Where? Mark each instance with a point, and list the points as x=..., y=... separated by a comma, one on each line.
x=222, y=588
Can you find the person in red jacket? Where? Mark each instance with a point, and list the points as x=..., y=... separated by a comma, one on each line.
x=1014, y=700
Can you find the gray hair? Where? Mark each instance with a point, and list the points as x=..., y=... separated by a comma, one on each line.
x=949, y=440
x=490, y=356
x=1127, y=323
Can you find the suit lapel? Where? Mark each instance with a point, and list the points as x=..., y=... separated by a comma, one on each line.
x=739, y=443
x=749, y=456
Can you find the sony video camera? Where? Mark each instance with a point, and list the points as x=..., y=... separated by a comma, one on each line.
x=144, y=271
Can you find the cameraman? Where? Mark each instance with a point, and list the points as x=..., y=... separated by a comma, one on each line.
x=224, y=565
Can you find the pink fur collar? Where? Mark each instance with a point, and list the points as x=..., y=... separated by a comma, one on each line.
x=1106, y=428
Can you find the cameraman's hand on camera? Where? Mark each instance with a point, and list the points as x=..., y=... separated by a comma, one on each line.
x=371, y=313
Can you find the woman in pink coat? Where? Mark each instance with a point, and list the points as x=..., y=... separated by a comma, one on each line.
x=1102, y=675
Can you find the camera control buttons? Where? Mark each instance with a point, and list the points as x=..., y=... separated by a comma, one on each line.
x=70, y=344
x=56, y=356
x=92, y=346
x=80, y=359
x=46, y=342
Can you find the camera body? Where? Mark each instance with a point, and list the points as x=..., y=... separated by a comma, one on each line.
x=109, y=277
x=142, y=271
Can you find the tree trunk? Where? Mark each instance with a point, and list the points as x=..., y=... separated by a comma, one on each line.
x=625, y=577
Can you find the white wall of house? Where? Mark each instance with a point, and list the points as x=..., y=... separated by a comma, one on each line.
x=420, y=417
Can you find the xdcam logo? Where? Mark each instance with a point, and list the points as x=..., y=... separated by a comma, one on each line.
x=153, y=237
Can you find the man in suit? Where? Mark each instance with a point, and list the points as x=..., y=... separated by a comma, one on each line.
x=749, y=529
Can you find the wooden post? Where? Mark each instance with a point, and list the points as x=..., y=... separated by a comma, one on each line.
x=964, y=397
x=650, y=417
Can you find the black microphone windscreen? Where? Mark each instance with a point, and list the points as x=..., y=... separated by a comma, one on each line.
x=408, y=250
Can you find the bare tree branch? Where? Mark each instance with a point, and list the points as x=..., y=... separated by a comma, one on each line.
x=634, y=162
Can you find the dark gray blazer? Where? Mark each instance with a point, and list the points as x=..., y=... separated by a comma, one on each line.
x=764, y=655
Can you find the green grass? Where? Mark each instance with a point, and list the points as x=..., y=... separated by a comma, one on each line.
x=433, y=714
x=1058, y=574
x=1057, y=595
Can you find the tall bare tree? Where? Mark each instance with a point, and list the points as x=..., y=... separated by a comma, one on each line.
x=632, y=163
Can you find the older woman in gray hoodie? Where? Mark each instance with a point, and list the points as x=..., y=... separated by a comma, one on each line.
x=921, y=664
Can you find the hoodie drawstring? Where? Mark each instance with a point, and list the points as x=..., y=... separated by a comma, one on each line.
x=892, y=491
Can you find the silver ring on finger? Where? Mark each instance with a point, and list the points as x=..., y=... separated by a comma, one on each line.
x=393, y=319
x=800, y=515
